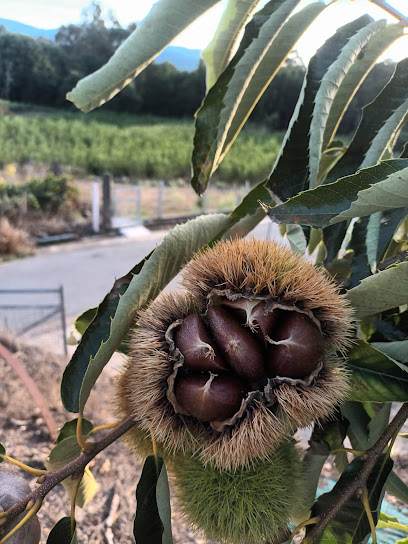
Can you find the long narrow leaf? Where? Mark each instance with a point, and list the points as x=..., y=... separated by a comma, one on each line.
x=386, y=135
x=390, y=222
x=165, y=21
x=291, y=169
x=152, y=522
x=356, y=74
x=220, y=50
x=175, y=251
x=395, y=350
x=274, y=58
x=383, y=291
x=346, y=198
x=372, y=238
x=375, y=376
x=214, y=117
x=388, y=194
x=328, y=90
x=359, y=266
x=374, y=116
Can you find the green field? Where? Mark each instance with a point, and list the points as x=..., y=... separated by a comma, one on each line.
x=141, y=148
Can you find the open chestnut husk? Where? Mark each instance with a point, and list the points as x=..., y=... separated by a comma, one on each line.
x=247, y=353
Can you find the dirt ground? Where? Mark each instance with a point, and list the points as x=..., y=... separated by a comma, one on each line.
x=108, y=518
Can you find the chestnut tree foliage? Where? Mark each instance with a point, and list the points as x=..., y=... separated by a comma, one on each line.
x=343, y=204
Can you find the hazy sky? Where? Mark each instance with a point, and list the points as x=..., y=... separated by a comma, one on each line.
x=54, y=13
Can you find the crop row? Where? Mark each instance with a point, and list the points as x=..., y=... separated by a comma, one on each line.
x=153, y=150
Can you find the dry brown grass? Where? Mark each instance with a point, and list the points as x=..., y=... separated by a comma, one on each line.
x=14, y=241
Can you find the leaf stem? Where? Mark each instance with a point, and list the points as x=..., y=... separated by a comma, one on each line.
x=74, y=494
x=356, y=453
x=26, y=468
x=104, y=427
x=74, y=467
x=30, y=514
x=367, y=508
x=305, y=523
x=359, y=481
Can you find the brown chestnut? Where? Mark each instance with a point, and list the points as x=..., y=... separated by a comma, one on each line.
x=194, y=341
x=251, y=313
x=208, y=397
x=237, y=344
x=296, y=348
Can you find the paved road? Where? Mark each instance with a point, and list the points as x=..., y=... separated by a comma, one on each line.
x=86, y=270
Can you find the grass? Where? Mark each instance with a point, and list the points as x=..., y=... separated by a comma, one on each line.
x=125, y=145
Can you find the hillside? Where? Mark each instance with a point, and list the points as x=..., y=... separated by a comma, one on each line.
x=181, y=57
x=21, y=28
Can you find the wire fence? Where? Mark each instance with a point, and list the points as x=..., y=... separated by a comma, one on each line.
x=36, y=316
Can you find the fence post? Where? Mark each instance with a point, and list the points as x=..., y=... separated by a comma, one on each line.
x=63, y=322
x=160, y=200
x=106, y=202
x=138, y=203
x=204, y=201
x=95, y=207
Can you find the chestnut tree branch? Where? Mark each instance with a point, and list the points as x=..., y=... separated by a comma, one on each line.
x=360, y=479
x=392, y=11
x=74, y=467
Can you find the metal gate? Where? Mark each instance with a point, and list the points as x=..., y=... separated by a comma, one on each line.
x=34, y=315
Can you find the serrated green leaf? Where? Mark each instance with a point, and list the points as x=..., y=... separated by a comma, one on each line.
x=152, y=522
x=395, y=350
x=385, y=138
x=374, y=116
x=312, y=466
x=389, y=522
x=383, y=291
x=343, y=199
x=404, y=153
x=397, y=487
x=2, y=452
x=85, y=319
x=69, y=429
x=327, y=162
x=350, y=525
x=356, y=74
x=163, y=505
x=358, y=424
x=291, y=169
x=375, y=377
x=329, y=86
x=268, y=67
x=325, y=438
x=266, y=44
x=333, y=237
x=358, y=433
x=221, y=48
x=64, y=452
x=390, y=222
x=165, y=21
x=403, y=541
x=296, y=238
x=359, y=264
x=61, y=533
x=392, y=192
x=379, y=421
x=94, y=335
x=177, y=248
x=372, y=238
